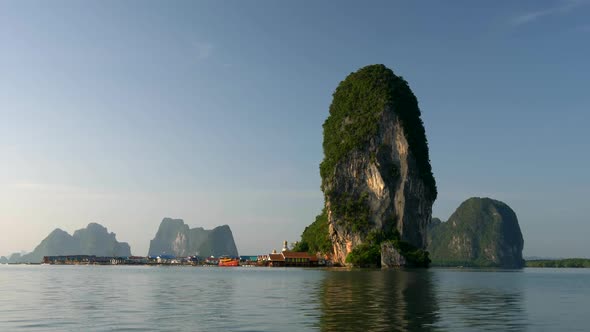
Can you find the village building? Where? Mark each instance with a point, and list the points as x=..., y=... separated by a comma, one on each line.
x=289, y=258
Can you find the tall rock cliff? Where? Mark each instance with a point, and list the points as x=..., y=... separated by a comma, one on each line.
x=92, y=240
x=376, y=174
x=174, y=237
x=481, y=232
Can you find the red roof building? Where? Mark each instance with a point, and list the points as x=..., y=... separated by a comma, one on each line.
x=292, y=258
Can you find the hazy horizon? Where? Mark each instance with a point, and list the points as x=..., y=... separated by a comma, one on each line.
x=126, y=112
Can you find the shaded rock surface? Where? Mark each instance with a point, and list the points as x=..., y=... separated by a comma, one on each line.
x=92, y=240
x=481, y=232
x=376, y=175
x=17, y=258
x=174, y=237
x=390, y=257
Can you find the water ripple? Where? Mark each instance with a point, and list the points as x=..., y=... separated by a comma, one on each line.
x=92, y=298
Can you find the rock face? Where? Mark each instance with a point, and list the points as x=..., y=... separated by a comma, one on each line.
x=376, y=174
x=481, y=232
x=17, y=258
x=174, y=237
x=390, y=257
x=92, y=240
x=96, y=240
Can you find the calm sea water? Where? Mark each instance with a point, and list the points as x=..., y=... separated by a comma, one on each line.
x=125, y=298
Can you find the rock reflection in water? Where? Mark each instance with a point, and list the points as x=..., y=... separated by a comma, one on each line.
x=391, y=300
x=481, y=301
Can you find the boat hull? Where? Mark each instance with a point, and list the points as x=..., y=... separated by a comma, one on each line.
x=229, y=262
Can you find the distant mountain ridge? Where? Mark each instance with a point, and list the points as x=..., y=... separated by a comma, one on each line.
x=92, y=240
x=174, y=237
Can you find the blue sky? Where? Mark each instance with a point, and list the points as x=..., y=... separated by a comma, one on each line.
x=126, y=112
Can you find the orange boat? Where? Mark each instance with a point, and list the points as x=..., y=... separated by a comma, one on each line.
x=229, y=262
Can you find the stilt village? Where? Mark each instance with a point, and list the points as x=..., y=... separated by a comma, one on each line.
x=285, y=258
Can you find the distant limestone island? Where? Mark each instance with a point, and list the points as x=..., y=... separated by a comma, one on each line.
x=379, y=188
x=92, y=240
x=174, y=238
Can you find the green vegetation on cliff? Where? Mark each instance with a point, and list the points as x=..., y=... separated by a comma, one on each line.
x=369, y=253
x=365, y=255
x=357, y=106
x=315, y=237
x=352, y=212
x=482, y=232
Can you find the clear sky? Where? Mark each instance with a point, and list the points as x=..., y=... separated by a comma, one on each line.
x=126, y=112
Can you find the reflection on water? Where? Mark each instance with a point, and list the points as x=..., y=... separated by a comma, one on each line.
x=489, y=309
x=392, y=300
x=478, y=300
x=88, y=298
x=423, y=300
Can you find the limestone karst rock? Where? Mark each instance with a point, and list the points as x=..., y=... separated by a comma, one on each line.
x=92, y=240
x=481, y=232
x=376, y=173
x=174, y=237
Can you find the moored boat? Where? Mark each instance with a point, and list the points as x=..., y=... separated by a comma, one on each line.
x=226, y=261
x=212, y=261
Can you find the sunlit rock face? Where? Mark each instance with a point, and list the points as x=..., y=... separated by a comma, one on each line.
x=376, y=175
x=174, y=237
